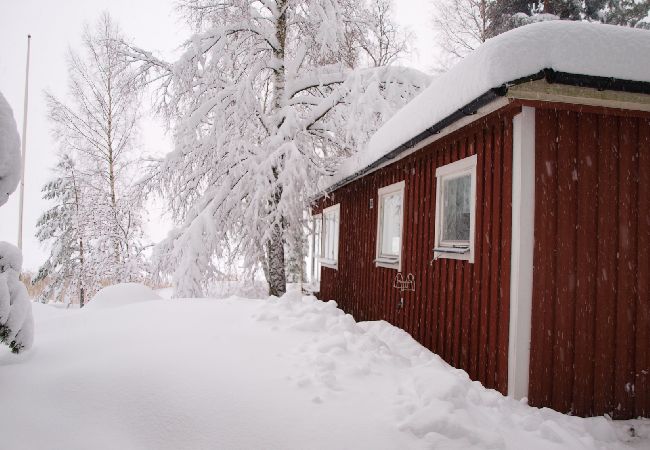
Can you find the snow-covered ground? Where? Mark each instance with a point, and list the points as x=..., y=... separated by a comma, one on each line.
x=290, y=373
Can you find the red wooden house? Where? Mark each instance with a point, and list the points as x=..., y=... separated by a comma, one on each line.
x=502, y=218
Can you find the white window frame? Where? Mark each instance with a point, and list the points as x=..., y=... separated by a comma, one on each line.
x=328, y=262
x=382, y=260
x=315, y=248
x=454, y=249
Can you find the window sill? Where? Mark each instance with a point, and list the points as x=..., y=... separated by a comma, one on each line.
x=329, y=263
x=462, y=254
x=388, y=263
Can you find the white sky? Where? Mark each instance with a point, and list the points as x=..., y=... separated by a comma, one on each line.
x=56, y=25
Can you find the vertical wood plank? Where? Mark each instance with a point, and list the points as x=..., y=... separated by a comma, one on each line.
x=495, y=255
x=642, y=360
x=487, y=248
x=504, y=264
x=564, y=306
x=607, y=273
x=626, y=289
x=587, y=264
x=478, y=255
x=541, y=362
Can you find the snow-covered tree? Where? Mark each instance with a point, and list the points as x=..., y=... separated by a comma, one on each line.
x=463, y=25
x=65, y=227
x=16, y=322
x=631, y=13
x=263, y=103
x=98, y=128
x=373, y=35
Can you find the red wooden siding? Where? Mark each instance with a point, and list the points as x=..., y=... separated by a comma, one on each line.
x=591, y=287
x=458, y=310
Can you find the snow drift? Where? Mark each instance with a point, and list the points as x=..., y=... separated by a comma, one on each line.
x=120, y=295
x=289, y=373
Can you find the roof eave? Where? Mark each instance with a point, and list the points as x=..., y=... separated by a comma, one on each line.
x=551, y=76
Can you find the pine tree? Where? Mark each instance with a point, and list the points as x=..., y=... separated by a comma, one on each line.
x=65, y=227
x=263, y=103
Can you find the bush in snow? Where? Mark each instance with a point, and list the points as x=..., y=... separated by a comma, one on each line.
x=9, y=152
x=16, y=322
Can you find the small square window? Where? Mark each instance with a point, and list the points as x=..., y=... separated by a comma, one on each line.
x=455, y=208
x=330, y=236
x=390, y=216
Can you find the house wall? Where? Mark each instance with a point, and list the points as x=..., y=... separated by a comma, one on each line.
x=458, y=310
x=591, y=283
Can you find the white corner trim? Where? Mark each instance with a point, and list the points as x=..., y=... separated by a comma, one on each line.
x=460, y=167
x=521, y=261
x=379, y=261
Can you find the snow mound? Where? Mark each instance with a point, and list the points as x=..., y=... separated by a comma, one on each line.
x=573, y=47
x=121, y=295
x=9, y=151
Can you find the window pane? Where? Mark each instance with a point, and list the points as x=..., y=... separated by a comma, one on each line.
x=330, y=235
x=456, y=207
x=391, y=232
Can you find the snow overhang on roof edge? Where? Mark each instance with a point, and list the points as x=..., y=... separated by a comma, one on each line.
x=549, y=75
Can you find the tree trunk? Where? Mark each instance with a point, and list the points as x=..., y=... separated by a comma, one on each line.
x=277, y=275
x=81, y=261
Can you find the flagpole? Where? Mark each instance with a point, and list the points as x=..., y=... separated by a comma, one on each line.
x=24, y=150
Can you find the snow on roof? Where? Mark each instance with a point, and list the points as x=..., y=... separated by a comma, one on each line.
x=572, y=47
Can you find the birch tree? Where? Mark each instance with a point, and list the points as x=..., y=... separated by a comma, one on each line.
x=463, y=25
x=263, y=103
x=97, y=126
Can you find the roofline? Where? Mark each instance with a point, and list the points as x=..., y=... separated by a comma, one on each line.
x=551, y=76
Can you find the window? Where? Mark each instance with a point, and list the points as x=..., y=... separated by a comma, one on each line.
x=390, y=216
x=330, y=238
x=455, y=207
x=315, y=248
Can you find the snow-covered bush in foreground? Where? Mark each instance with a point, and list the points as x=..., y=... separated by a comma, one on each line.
x=288, y=373
x=16, y=322
x=9, y=152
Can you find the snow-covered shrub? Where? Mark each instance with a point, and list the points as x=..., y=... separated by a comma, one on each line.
x=9, y=152
x=16, y=322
